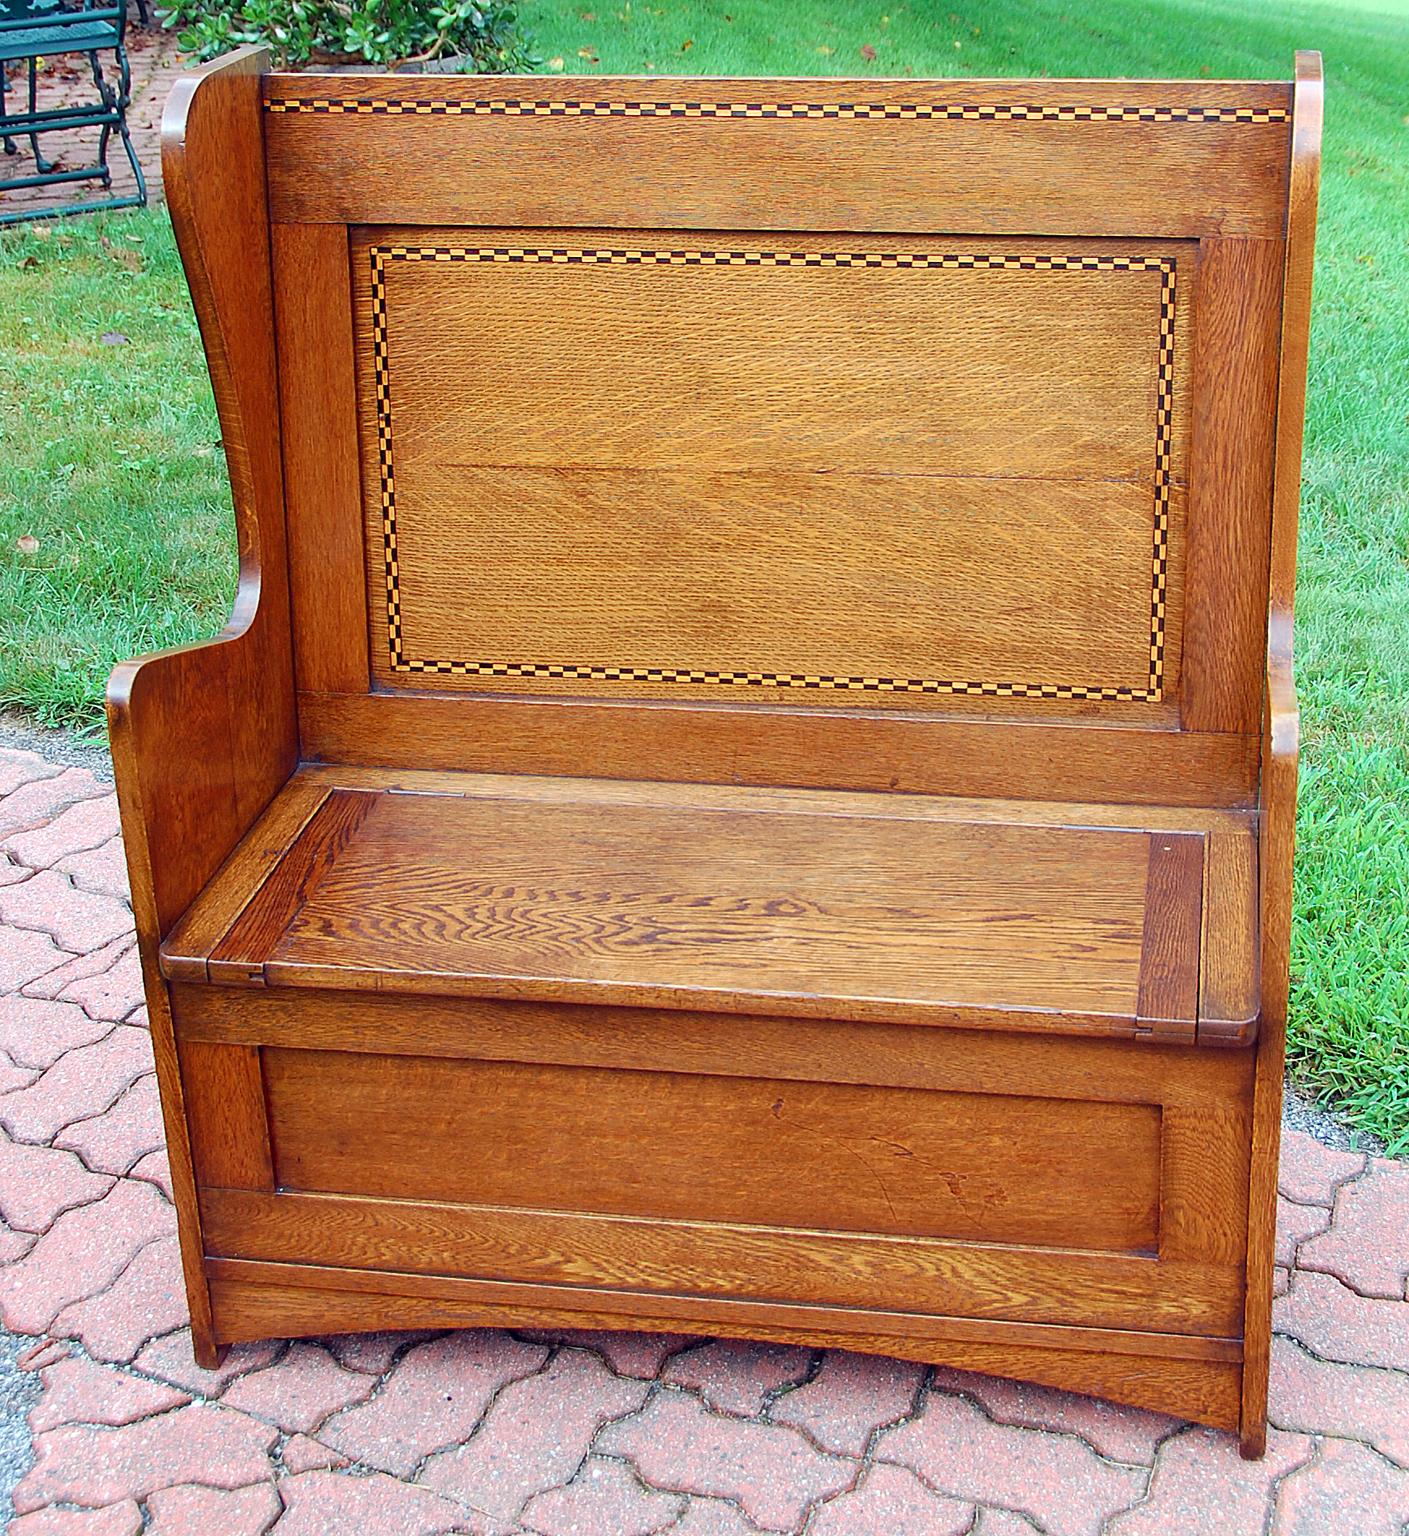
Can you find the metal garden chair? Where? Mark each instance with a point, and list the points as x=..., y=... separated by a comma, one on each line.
x=31, y=30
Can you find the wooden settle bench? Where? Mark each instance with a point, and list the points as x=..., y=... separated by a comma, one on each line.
x=749, y=787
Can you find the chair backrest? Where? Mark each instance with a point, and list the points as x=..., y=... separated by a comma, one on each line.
x=903, y=434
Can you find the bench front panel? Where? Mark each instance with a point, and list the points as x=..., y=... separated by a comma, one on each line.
x=677, y=1154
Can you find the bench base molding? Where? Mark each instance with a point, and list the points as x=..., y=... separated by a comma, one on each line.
x=1196, y=1379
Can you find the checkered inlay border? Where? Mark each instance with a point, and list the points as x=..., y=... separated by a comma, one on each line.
x=372, y=106
x=382, y=255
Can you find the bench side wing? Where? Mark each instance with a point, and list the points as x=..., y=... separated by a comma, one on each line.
x=205, y=735
x=1281, y=733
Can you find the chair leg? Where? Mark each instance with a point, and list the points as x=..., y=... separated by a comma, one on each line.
x=11, y=148
x=132, y=159
x=121, y=102
x=42, y=165
x=112, y=102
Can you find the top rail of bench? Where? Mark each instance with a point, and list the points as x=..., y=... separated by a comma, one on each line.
x=1180, y=159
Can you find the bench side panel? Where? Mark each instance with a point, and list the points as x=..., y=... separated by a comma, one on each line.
x=203, y=737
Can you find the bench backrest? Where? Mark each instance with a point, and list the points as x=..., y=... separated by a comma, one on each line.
x=916, y=435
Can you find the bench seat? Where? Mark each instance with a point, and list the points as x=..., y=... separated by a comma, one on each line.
x=1116, y=921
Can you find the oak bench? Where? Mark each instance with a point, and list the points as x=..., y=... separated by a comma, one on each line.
x=750, y=783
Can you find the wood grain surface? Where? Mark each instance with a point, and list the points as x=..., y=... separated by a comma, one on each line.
x=405, y=1096
x=1234, y=355
x=779, y=464
x=1187, y=1376
x=1178, y=159
x=242, y=949
x=1280, y=743
x=737, y=907
x=819, y=1156
x=225, y=1095
x=728, y=1259
x=318, y=406
x=778, y=746
x=1102, y=1070
x=205, y=735
x=1169, y=957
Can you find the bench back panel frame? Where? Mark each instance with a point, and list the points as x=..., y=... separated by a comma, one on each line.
x=1096, y=162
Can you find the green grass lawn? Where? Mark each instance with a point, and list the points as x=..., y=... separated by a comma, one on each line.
x=106, y=455
x=115, y=521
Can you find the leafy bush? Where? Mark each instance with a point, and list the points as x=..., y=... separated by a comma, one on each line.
x=485, y=34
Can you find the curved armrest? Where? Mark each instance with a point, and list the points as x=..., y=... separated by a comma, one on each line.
x=205, y=735
x=1277, y=816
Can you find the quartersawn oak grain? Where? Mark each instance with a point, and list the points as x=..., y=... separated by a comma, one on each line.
x=204, y=736
x=863, y=1270
x=764, y=805
x=1147, y=1369
x=787, y=494
x=1281, y=734
x=1020, y=176
x=777, y=746
x=850, y=1158
x=734, y=909
x=1169, y=956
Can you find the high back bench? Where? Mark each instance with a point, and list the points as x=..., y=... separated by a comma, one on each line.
x=749, y=787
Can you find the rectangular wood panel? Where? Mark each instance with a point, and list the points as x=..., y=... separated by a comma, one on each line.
x=1184, y=1375
x=223, y=1088
x=318, y=426
x=830, y=909
x=1231, y=453
x=357, y=1085
x=783, y=468
x=666, y=351
x=757, y=575
x=952, y=915
x=1230, y=971
x=856, y=750
x=682, y=1146
x=1169, y=959
x=1204, y=1086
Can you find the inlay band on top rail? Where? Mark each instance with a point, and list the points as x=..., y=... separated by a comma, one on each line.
x=1152, y=692
x=906, y=112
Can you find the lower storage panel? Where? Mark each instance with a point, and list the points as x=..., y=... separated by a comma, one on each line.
x=1064, y=1210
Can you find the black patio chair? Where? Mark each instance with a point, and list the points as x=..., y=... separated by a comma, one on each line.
x=31, y=30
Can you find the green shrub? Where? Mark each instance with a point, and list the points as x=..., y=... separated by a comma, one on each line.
x=485, y=35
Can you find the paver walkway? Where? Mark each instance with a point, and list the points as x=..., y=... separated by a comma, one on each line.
x=563, y=1434
x=64, y=81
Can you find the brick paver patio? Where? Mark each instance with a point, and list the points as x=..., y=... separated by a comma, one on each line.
x=568, y=1434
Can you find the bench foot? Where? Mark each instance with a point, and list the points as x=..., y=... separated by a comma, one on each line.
x=1252, y=1443
x=209, y=1355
